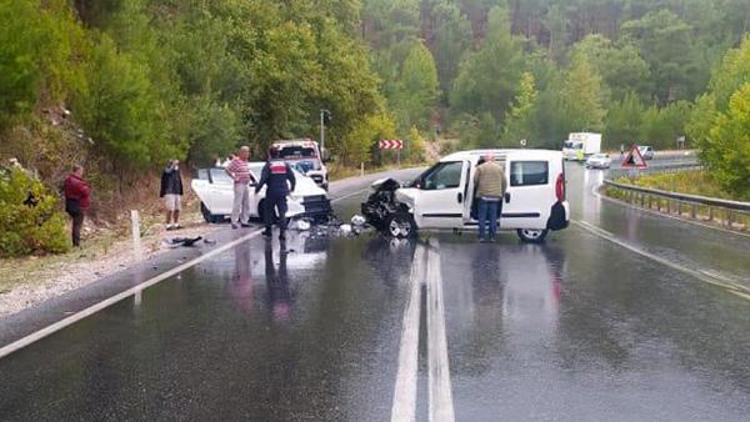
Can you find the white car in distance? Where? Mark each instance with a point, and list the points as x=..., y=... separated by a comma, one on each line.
x=646, y=151
x=215, y=189
x=599, y=161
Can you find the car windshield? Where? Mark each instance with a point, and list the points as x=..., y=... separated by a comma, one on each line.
x=304, y=166
x=573, y=145
x=295, y=152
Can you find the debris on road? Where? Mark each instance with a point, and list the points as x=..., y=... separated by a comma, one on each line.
x=358, y=220
x=176, y=242
x=301, y=225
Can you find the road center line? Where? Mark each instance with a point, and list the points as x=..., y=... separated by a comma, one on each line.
x=734, y=288
x=439, y=383
x=405, y=393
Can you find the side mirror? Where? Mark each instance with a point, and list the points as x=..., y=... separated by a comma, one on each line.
x=507, y=197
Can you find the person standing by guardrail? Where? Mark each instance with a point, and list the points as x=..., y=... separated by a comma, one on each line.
x=279, y=177
x=491, y=184
x=239, y=170
x=77, y=200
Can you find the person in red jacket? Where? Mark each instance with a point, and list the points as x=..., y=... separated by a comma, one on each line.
x=77, y=200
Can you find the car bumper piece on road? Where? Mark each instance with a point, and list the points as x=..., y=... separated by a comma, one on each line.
x=316, y=206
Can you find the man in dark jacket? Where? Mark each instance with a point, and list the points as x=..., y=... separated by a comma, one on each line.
x=77, y=200
x=279, y=178
x=171, y=191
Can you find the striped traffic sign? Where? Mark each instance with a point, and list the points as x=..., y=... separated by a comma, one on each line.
x=391, y=144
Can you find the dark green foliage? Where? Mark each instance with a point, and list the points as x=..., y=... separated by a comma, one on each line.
x=30, y=219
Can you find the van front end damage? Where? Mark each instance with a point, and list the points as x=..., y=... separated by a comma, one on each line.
x=381, y=203
x=386, y=213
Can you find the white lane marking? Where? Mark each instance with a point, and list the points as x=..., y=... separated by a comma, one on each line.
x=405, y=393
x=439, y=382
x=72, y=319
x=732, y=287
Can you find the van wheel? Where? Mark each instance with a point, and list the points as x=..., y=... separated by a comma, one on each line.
x=401, y=225
x=210, y=218
x=532, y=236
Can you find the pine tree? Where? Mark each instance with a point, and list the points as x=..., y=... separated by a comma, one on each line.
x=582, y=99
x=519, y=119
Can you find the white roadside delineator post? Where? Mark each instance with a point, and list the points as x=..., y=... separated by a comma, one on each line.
x=135, y=229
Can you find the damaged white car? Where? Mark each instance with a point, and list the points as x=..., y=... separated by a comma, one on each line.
x=214, y=187
x=443, y=196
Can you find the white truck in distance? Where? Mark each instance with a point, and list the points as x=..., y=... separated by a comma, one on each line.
x=581, y=145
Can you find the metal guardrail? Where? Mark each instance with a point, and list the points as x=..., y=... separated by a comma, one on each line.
x=698, y=207
x=666, y=168
x=683, y=197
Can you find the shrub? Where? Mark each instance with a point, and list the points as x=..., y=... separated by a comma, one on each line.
x=30, y=220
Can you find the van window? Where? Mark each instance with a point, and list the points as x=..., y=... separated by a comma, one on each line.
x=444, y=176
x=529, y=173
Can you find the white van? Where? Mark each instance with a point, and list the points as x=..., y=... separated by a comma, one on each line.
x=443, y=196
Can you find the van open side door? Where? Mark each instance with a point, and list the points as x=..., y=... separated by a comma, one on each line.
x=442, y=195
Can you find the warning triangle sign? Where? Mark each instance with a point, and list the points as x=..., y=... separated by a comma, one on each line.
x=634, y=159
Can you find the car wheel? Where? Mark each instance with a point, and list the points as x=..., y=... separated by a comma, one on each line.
x=401, y=225
x=532, y=235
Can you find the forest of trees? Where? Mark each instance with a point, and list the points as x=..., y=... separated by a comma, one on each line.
x=145, y=80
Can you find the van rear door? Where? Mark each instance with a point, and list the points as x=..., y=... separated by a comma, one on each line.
x=530, y=194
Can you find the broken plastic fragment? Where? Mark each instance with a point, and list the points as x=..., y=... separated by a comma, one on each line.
x=358, y=220
x=302, y=225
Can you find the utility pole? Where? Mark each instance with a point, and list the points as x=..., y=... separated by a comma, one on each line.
x=323, y=113
x=322, y=131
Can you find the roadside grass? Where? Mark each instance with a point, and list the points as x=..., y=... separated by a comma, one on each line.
x=98, y=244
x=689, y=182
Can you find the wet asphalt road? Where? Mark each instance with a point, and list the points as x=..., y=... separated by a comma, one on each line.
x=578, y=329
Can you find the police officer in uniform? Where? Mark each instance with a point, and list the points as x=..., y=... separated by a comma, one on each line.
x=279, y=178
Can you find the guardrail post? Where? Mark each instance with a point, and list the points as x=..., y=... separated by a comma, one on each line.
x=650, y=202
x=693, y=211
x=710, y=213
x=730, y=216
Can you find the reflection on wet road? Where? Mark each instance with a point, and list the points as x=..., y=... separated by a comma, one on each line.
x=577, y=329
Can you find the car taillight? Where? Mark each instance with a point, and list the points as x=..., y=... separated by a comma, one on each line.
x=560, y=187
